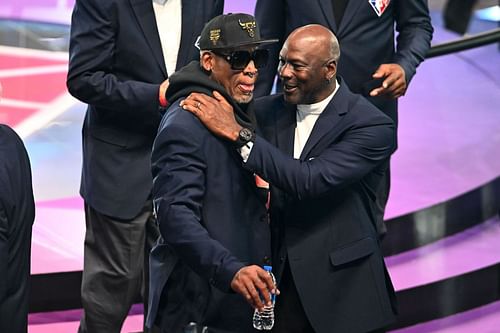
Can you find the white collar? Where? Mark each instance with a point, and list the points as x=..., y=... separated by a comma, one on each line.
x=318, y=107
x=160, y=2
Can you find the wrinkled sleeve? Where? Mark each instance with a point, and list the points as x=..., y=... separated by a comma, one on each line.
x=361, y=149
x=4, y=251
x=178, y=189
x=414, y=28
x=94, y=25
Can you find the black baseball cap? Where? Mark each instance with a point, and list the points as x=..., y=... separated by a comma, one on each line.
x=230, y=31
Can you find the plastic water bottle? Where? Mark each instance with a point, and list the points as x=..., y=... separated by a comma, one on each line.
x=264, y=320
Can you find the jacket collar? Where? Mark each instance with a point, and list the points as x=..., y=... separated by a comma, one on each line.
x=349, y=13
x=143, y=10
x=327, y=123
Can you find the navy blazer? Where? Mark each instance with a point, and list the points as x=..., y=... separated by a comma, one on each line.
x=366, y=40
x=17, y=212
x=213, y=221
x=322, y=208
x=116, y=66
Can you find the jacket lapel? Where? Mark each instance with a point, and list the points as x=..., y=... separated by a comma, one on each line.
x=349, y=13
x=329, y=120
x=190, y=11
x=285, y=128
x=143, y=10
x=326, y=6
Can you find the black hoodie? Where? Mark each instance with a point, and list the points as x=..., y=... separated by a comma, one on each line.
x=192, y=78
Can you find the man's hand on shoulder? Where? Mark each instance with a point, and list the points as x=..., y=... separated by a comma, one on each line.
x=394, y=84
x=252, y=282
x=215, y=113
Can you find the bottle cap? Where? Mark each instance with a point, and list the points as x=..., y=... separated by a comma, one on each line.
x=268, y=268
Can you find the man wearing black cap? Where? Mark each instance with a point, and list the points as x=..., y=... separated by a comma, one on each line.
x=211, y=214
x=120, y=53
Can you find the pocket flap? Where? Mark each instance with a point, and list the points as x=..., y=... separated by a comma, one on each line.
x=353, y=251
x=109, y=135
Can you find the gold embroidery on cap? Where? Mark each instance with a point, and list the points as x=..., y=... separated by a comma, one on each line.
x=249, y=27
x=214, y=35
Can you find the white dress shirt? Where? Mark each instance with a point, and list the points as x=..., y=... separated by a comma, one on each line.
x=306, y=117
x=168, y=14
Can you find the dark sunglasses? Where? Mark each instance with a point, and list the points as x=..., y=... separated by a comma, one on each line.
x=240, y=59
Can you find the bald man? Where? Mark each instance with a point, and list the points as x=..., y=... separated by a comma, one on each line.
x=322, y=150
x=382, y=42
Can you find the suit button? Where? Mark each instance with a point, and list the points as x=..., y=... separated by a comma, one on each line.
x=282, y=259
x=266, y=260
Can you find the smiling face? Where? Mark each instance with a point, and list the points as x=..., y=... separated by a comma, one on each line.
x=239, y=84
x=307, y=65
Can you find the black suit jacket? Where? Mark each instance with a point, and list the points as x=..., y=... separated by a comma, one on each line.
x=212, y=222
x=116, y=66
x=322, y=208
x=366, y=40
x=17, y=212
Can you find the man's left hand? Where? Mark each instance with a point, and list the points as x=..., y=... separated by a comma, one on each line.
x=394, y=84
x=215, y=113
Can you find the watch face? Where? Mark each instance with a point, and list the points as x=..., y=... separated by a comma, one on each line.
x=245, y=134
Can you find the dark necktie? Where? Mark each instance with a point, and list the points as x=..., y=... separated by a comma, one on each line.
x=338, y=10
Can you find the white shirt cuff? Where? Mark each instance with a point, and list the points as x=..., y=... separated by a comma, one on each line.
x=245, y=151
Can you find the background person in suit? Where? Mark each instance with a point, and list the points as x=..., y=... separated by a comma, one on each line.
x=212, y=217
x=323, y=175
x=17, y=213
x=120, y=53
x=457, y=15
x=373, y=63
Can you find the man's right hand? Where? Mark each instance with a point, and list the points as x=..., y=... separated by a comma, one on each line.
x=215, y=113
x=251, y=282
